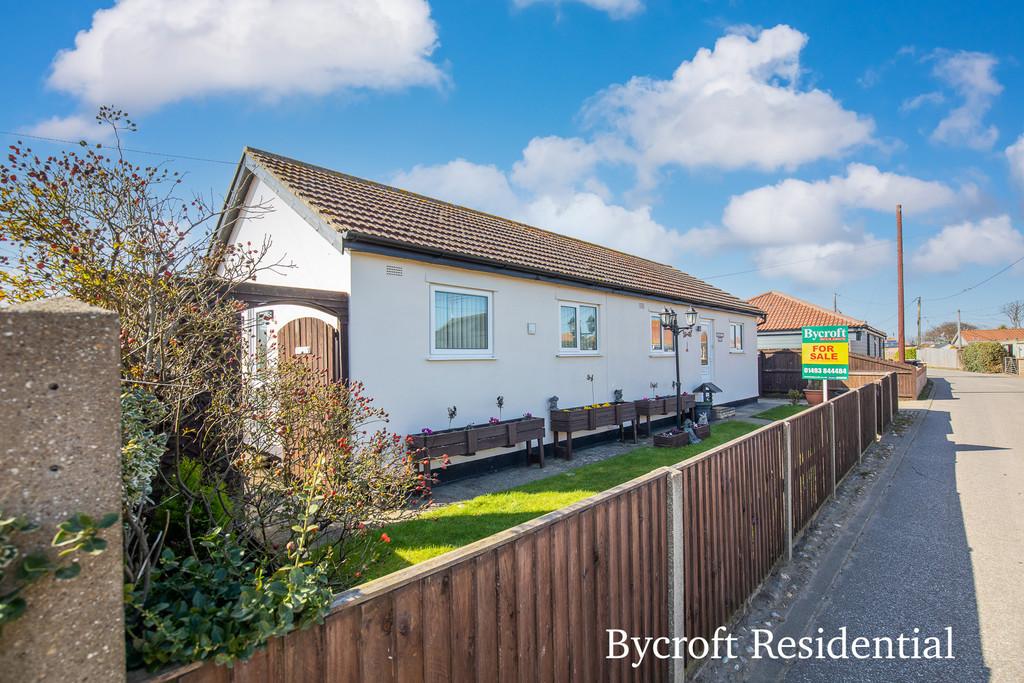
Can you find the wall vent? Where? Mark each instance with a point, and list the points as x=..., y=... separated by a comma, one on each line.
x=393, y=270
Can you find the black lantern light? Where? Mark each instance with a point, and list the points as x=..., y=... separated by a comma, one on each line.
x=670, y=321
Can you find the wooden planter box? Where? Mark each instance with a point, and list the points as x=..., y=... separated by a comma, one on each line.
x=677, y=439
x=650, y=407
x=664, y=405
x=470, y=440
x=569, y=420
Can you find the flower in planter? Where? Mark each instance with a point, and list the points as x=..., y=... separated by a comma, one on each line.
x=494, y=421
x=452, y=412
x=500, y=402
x=427, y=431
x=528, y=415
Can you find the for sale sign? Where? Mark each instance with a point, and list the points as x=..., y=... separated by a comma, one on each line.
x=826, y=352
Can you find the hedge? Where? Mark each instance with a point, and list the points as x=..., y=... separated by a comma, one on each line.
x=984, y=357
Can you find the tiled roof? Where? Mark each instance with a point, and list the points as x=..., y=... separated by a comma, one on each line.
x=786, y=313
x=1009, y=334
x=365, y=211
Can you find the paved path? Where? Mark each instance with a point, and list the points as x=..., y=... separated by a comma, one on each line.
x=943, y=546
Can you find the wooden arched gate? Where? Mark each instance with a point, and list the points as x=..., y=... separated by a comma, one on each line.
x=315, y=343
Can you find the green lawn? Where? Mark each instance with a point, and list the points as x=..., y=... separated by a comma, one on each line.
x=781, y=412
x=459, y=524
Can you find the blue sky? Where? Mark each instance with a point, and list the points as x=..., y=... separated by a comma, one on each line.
x=758, y=145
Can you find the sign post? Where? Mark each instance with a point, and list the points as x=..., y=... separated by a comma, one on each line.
x=825, y=354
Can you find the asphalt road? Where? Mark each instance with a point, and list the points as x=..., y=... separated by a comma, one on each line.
x=943, y=547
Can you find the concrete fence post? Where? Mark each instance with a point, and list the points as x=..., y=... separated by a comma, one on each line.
x=61, y=455
x=787, y=431
x=676, y=571
x=832, y=441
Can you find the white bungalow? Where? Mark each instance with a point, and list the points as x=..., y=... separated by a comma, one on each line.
x=432, y=305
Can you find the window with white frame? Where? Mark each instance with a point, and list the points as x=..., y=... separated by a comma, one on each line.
x=735, y=336
x=577, y=328
x=661, y=339
x=460, y=322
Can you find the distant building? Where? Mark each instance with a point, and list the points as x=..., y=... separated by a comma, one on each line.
x=786, y=315
x=1011, y=339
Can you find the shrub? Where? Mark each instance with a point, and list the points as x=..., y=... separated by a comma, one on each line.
x=795, y=396
x=220, y=604
x=984, y=357
x=910, y=353
x=141, y=447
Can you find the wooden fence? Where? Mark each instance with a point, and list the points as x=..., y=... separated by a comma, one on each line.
x=779, y=371
x=676, y=552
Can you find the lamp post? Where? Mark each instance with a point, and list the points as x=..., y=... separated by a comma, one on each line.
x=670, y=321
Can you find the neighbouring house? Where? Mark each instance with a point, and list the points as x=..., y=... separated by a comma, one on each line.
x=433, y=305
x=786, y=315
x=1011, y=339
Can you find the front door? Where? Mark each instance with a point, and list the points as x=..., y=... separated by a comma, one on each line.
x=706, y=342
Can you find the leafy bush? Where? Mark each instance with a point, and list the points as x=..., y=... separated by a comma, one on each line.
x=141, y=447
x=984, y=357
x=795, y=396
x=910, y=353
x=220, y=605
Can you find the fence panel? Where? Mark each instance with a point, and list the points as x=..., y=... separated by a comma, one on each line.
x=846, y=433
x=734, y=527
x=866, y=395
x=530, y=603
x=811, y=463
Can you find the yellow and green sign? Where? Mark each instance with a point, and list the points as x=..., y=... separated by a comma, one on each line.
x=826, y=352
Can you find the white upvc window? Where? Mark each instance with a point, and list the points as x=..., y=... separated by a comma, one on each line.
x=461, y=322
x=661, y=339
x=577, y=328
x=736, y=337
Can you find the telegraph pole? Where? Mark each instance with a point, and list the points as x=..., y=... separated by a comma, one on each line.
x=835, y=301
x=918, y=321
x=901, y=338
x=958, y=328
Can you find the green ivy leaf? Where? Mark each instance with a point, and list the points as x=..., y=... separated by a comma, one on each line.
x=68, y=571
x=108, y=520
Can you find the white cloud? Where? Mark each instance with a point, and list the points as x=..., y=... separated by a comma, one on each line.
x=970, y=75
x=581, y=214
x=798, y=211
x=736, y=106
x=616, y=9
x=72, y=127
x=555, y=165
x=912, y=103
x=827, y=263
x=990, y=241
x=1015, y=156
x=478, y=186
x=142, y=54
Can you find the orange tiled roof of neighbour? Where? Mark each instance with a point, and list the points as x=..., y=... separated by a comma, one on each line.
x=786, y=313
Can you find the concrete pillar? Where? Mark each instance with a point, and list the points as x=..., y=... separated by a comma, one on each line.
x=676, y=575
x=60, y=454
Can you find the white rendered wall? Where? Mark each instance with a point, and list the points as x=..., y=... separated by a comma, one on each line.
x=389, y=348
x=314, y=262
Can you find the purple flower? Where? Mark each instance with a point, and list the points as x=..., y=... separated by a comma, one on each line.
x=527, y=415
x=494, y=420
x=427, y=430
